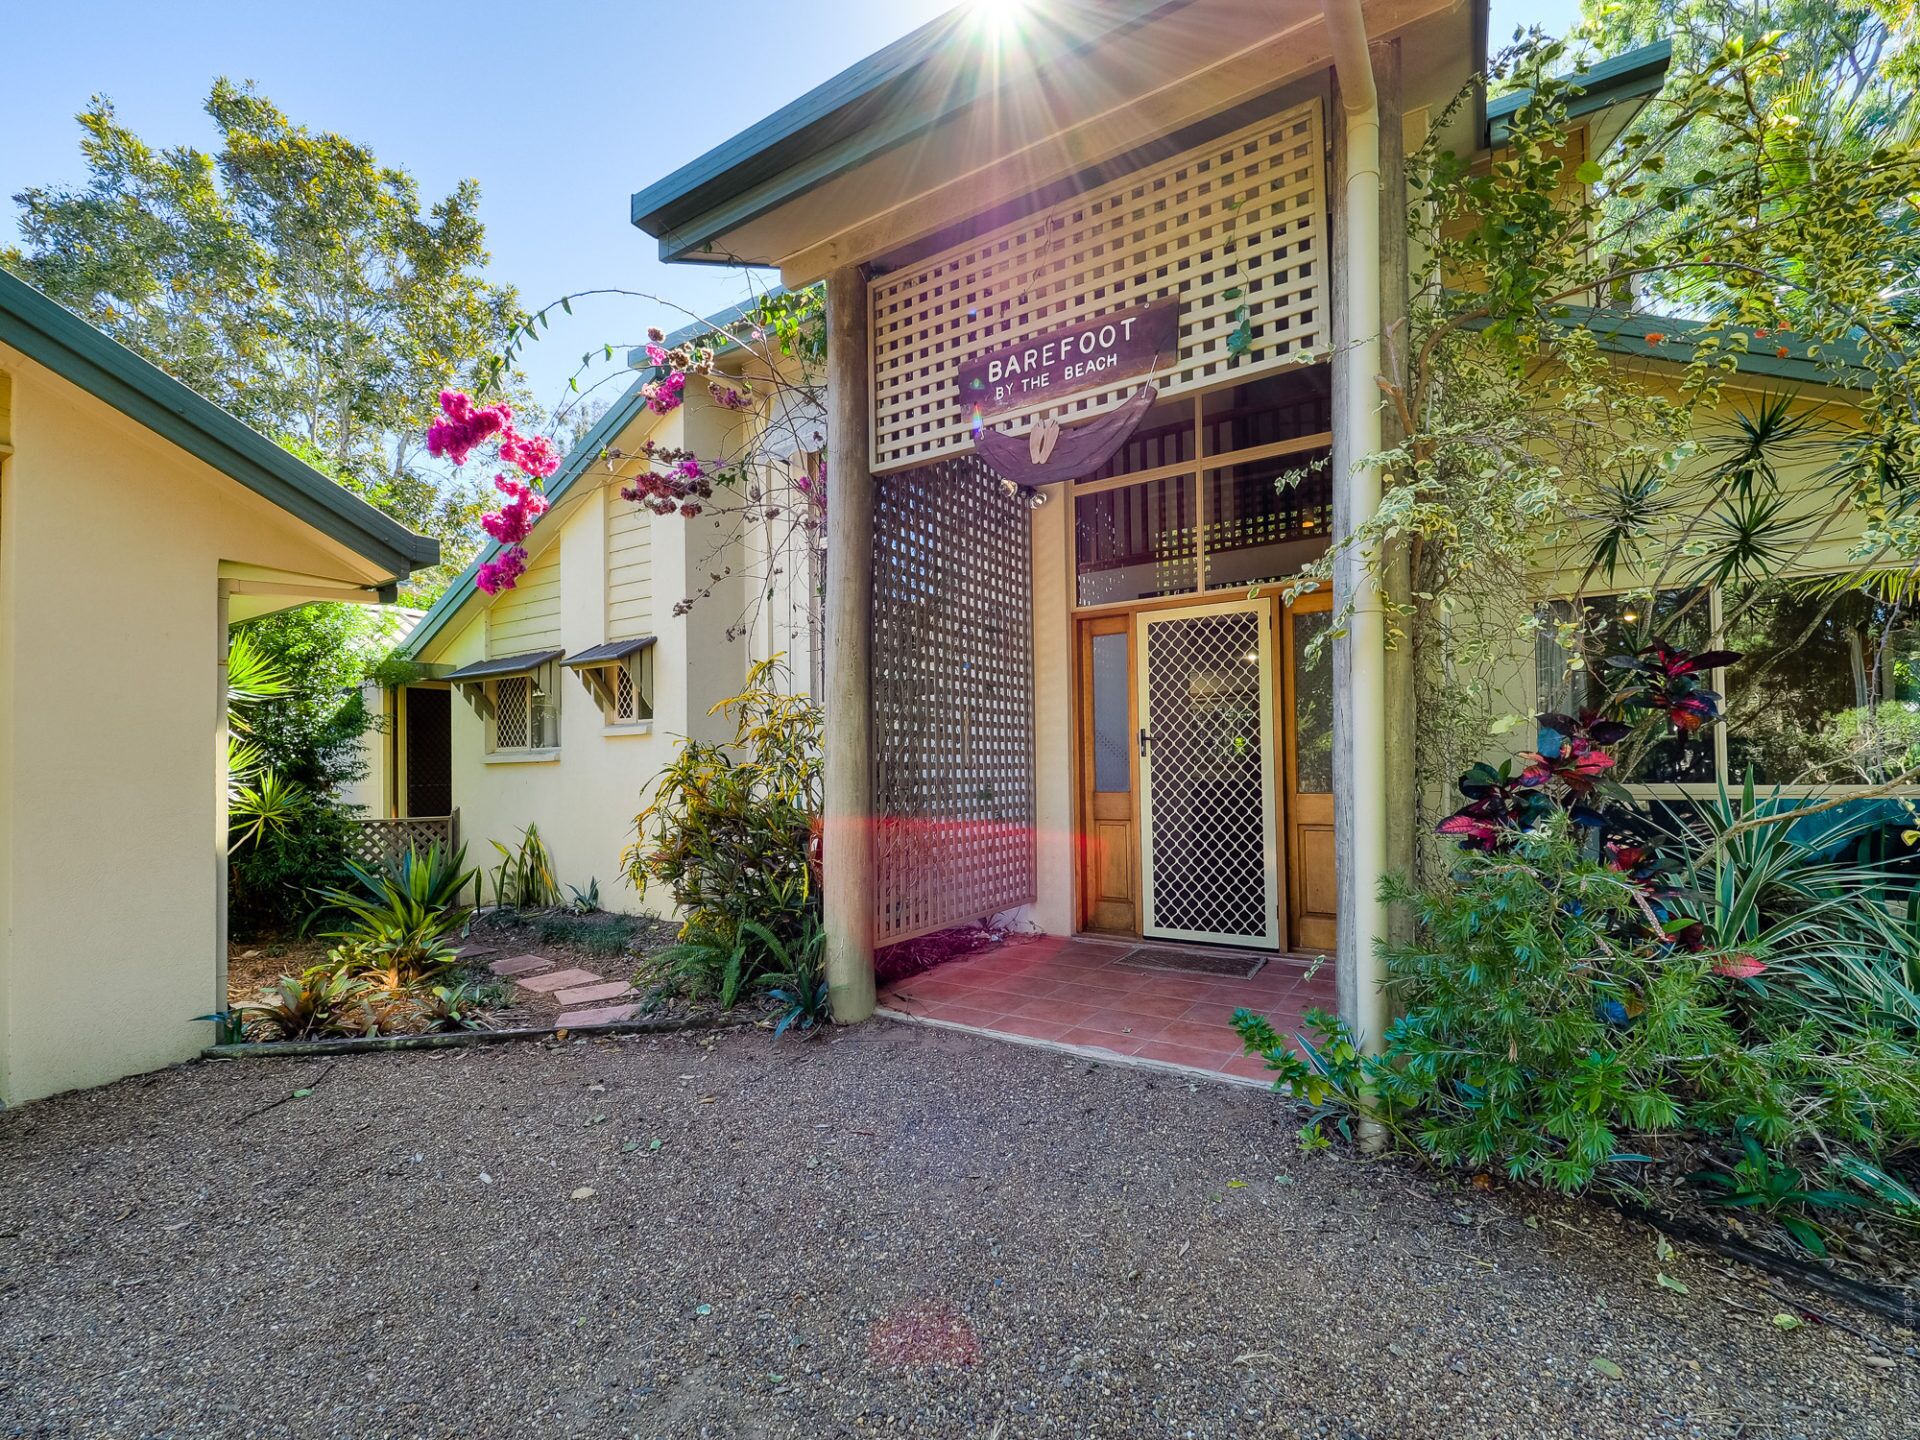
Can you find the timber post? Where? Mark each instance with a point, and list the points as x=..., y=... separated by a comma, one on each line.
x=847, y=819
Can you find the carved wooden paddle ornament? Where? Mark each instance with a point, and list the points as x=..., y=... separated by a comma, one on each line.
x=1049, y=455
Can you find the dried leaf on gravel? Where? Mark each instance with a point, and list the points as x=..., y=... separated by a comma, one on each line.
x=1667, y=1282
x=585, y=1192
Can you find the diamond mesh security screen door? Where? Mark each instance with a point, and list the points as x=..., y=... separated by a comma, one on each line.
x=1207, y=775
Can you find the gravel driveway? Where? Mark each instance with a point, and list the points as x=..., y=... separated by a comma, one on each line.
x=902, y=1231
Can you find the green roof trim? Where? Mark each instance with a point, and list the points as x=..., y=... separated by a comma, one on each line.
x=1621, y=332
x=836, y=127
x=55, y=337
x=1632, y=75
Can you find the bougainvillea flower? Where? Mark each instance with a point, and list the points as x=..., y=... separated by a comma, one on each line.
x=532, y=453
x=1740, y=967
x=500, y=572
x=462, y=426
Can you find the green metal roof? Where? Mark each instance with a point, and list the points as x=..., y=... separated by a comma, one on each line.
x=611, y=651
x=1632, y=75
x=57, y=338
x=1622, y=332
x=842, y=124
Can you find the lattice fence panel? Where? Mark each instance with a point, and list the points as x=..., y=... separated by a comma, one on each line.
x=952, y=699
x=1246, y=212
x=381, y=841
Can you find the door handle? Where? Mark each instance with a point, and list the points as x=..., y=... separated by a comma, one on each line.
x=1145, y=740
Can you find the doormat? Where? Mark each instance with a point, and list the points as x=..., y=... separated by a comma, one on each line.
x=1240, y=966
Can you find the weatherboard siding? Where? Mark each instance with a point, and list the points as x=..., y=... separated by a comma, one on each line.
x=527, y=617
x=629, y=567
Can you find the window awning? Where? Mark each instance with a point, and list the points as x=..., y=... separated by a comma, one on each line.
x=504, y=665
x=609, y=653
x=471, y=680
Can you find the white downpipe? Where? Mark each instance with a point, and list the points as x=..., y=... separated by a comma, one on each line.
x=1365, y=844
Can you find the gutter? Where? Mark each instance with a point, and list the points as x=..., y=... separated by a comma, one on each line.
x=1362, y=922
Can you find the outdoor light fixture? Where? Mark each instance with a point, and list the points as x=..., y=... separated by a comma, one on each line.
x=1032, y=494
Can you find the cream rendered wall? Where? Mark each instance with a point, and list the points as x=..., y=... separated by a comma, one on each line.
x=112, y=733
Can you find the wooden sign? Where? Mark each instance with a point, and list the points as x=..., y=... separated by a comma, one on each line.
x=1086, y=356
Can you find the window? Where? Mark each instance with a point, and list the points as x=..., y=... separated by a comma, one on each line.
x=526, y=713
x=1136, y=542
x=1827, y=689
x=630, y=690
x=1267, y=520
x=1826, y=692
x=1255, y=506
x=1570, y=661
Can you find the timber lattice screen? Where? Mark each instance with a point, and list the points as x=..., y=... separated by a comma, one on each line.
x=1240, y=218
x=952, y=699
x=375, y=841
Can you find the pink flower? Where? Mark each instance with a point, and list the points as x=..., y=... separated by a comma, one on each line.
x=464, y=425
x=500, y=572
x=1739, y=967
x=533, y=454
x=656, y=353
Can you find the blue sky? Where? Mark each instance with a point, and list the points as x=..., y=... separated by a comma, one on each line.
x=560, y=112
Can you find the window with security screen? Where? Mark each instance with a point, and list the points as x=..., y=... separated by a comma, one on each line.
x=525, y=714
x=630, y=690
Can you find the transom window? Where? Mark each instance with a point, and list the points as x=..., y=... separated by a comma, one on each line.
x=1215, y=491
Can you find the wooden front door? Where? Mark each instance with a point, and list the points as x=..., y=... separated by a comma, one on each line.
x=1311, y=886
x=1110, y=839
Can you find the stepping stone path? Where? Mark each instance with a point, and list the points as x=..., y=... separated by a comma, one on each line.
x=583, y=995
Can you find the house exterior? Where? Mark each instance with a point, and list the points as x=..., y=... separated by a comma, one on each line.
x=1075, y=700
x=553, y=704
x=113, y=824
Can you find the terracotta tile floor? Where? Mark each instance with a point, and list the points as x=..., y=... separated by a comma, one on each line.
x=1070, y=992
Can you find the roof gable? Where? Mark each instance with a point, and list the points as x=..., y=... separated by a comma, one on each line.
x=55, y=337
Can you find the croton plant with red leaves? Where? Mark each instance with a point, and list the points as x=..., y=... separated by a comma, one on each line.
x=1573, y=772
x=1671, y=682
